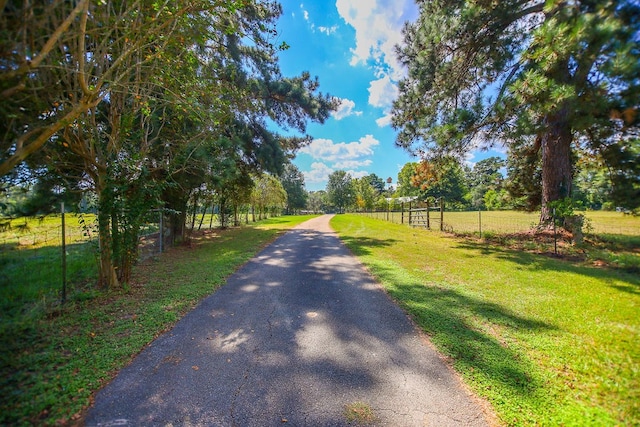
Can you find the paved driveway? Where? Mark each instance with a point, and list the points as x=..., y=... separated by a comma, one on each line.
x=295, y=336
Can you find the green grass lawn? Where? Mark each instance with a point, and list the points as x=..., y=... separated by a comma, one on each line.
x=53, y=358
x=545, y=341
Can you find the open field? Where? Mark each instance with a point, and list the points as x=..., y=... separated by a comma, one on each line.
x=599, y=222
x=545, y=341
x=53, y=359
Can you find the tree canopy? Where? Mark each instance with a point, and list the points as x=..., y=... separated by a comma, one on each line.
x=340, y=190
x=553, y=80
x=293, y=182
x=149, y=105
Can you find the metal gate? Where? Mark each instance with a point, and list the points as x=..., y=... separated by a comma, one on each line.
x=428, y=214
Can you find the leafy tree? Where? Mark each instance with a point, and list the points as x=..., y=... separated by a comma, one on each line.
x=268, y=196
x=405, y=181
x=293, y=182
x=444, y=178
x=496, y=199
x=317, y=201
x=365, y=193
x=376, y=183
x=149, y=103
x=61, y=59
x=623, y=168
x=543, y=76
x=485, y=176
x=340, y=191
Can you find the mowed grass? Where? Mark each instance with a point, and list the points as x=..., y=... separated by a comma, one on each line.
x=52, y=360
x=545, y=341
x=598, y=222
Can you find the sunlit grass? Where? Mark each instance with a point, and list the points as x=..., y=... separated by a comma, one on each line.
x=599, y=222
x=547, y=342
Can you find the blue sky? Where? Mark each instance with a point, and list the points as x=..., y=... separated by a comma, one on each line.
x=349, y=46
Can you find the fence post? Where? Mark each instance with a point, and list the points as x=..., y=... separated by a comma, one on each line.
x=161, y=234
x=428, y=216
x=64, y=257
x=555, y=236
x=441, y=214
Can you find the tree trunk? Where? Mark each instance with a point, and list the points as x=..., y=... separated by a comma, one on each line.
x=204, y=212
x=222, y=206
x=556, y=161
x=195, y=210
x=108, y=279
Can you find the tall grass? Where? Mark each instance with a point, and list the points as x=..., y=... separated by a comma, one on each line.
x=545, y=341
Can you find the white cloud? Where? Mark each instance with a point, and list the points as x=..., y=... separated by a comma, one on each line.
x=326, y=149
x=328, y=30
x=319, y=173
x=352, y=164
x=345, y=109
x=384, y=120
x=378, y=25
x=357, y=174
x=382, y=92
x=323, y=29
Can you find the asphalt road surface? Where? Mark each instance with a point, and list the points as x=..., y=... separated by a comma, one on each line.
x=296, y=336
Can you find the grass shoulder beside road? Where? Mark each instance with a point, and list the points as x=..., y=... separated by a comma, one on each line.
x=546, y=341
x=53, y=360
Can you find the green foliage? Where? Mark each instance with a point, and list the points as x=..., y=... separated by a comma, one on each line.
x=293, y=183
x=365, y=193
x=486, y=177
x=317, y=201
x=376, y=183
x=444, y=178
x=546, y=341
x=268, y=196
x=549, y=79
x=405, y=184
x=340, y=191
x=149, y=104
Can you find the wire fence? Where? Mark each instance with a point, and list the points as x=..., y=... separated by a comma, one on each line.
x=508, y=222
x=37, y=263
x=31, y=254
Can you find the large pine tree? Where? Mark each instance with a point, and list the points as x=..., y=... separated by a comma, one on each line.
x=550, y=79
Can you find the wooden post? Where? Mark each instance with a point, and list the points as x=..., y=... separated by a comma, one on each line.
x=428, y=215
x=441, y=214
x=161, y=234
x=64, y=257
